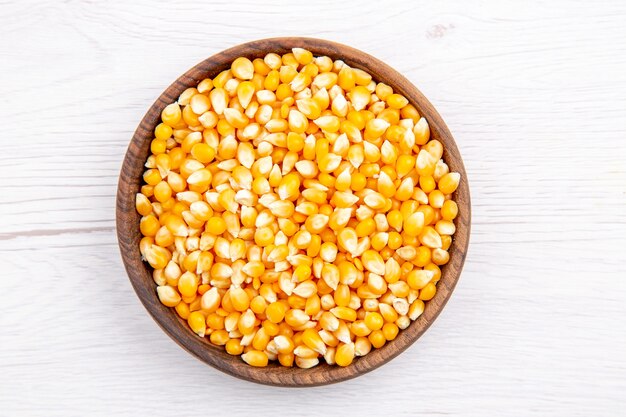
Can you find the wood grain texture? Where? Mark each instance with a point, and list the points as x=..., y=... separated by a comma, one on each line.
x=534, y=95
x=140, y=273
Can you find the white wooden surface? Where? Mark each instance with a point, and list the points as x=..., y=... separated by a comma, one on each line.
x=535, y=93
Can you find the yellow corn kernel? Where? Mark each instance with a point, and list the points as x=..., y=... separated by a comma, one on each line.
x=303, y=56
x=157, y=256
x=210, y=300
x=425, y=163
x=405, y=190
x=390, y=331
x=282, y=208
x=359, y=328
x=362, y=346
x=419, y=278
x=396, y=101
x=197, y=323
x=416, y=309
x=289, y=187
x=436, y=199
x=258, y=304
x=152, y=177
x=440, y=256
x=275, y=312
x=449, y=182
x=263, y=236
x=429, y=237
x=246, y=321
x=383, y=91
x=272, y=80
x=414, y=224
x=284, y=344
x=344, y=313
x=285, y=91
x=188, y=284
x=245, y=93
x=385, y=185
x=260, y=340
x=312, y=339
x=347, y=239
x=449, y=210
x=219, y=100
x=182, y=309
x=306, y=363
x=394, y=241
x=446, y=242
x=377, y=339
x=376, y=284
x=234, y=347
x=239, y=299
x=373, y=262
x=143, y=206
x=344, y=355
x=374, y=320
x=375, y=128
x=296, y=318
x=255, y=358
x=395, y=220
x=149, y=225
x=346, y=78
x=171, y=115
x=342, y=295
x=163, y=131
x=328, y=123
x=445, y=227
x=404, y=165
x=286, y=359
x=309, y=107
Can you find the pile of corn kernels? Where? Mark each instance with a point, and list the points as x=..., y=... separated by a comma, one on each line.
x=296, y=210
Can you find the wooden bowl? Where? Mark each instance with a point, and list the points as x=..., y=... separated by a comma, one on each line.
x=140, y=272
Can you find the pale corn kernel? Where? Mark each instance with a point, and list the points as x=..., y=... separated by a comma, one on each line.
x=360, y=97
x=425, y=163
x=296, y=318
x=242, y=68
x=343, y=332
x=441, y=169
x=348, y=239
x=168, y=296
x=373, y=262
x=416, y=309
x=306, y=363
x=305, y=289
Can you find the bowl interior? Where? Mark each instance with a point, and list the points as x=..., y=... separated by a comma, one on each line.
x=140, y=273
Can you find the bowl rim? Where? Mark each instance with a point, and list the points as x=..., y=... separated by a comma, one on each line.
x=127, y=219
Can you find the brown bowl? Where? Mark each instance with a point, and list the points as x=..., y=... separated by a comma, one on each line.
x=140, y=272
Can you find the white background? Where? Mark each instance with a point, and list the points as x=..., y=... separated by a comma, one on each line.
x=535, y=94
